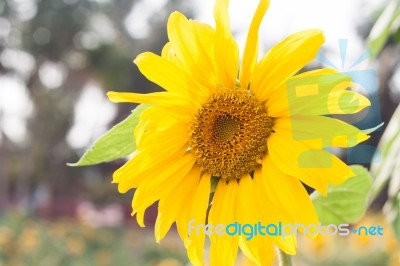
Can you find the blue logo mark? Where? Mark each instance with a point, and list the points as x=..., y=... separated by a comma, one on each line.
x=367, y=83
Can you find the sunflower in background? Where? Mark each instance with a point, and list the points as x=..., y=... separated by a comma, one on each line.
x=235, y=122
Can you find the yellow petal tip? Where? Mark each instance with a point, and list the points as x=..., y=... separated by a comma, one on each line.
x=113, y=96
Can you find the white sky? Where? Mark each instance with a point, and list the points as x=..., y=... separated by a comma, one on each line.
x=338, y=19
x=93, y=112
x=15, y=108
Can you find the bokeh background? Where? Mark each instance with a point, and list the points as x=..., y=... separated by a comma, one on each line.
x=58, y=58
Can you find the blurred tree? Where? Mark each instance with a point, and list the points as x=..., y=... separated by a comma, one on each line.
x=70, y=43
x=382, y=34
x=381, y=31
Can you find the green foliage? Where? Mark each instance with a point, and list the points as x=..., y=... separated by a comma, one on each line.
x=385, y=26
x=69, y=242
x=117, y=143
x=386, y=170
x=347, y=202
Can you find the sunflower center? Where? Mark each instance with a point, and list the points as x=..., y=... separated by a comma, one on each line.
x=228, y=134
x=225, y=127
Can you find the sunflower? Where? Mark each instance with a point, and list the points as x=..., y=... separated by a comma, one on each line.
x=254, y=128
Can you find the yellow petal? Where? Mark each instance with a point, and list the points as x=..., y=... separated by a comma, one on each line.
x=278, y=105
x=165, y=74
x=283, y=61
x=205, y=37
x=161, y=118
x=158, y=128
x=287, y=192
x=258, y=248
x=168, y=53
x=262, y=210
x=250, y=54
x=226, y=49
x=329, y=94
x=320, y=131
x=197, y=211
x=224, y=248
x=151, y=159
x=318, y=72
x=160, y=98
x=140, y=217
x=316, y=92
x=316, y=168
x=175, y=202
x=160, y=185
x=191, y=43
x=161, y=113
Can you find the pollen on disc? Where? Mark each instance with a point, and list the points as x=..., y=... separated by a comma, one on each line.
x=228, y=134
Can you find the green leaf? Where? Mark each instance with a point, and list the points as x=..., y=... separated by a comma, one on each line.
x=383, y=27
x=344, y=203
x=118, y=142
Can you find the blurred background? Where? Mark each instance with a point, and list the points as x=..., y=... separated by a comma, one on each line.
x=58, y=58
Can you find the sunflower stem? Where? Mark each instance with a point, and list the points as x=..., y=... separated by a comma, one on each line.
x=284, y=259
